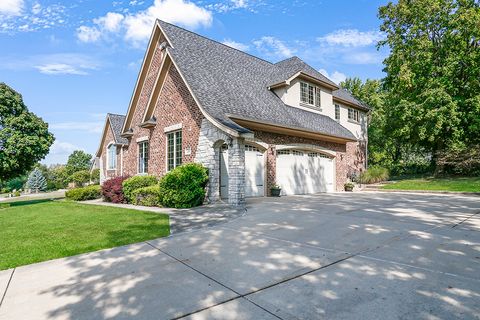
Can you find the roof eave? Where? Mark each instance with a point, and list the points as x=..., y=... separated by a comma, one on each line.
x=355, y=105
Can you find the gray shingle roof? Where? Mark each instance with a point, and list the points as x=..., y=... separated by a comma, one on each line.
x=345, y=95
x=116, y=123
x=293, y=65
x=228, y=83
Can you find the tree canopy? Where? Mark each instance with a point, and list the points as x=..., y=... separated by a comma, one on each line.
x=78, y=161
x=24, y=137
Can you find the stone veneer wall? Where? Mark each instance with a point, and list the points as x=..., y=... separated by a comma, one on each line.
x=105, y=173
x=210, y=141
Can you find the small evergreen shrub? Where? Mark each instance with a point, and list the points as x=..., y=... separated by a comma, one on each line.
x=147, y=196
x=184, y=186
x=136, y=182
x=36, y=181
x=374, y=174
x=84, y=193
x=112, y=190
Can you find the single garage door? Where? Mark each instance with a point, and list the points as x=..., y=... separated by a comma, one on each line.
x=254, y=172
x=302, y=172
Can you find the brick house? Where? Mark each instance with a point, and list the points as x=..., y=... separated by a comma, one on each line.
x=251, y=122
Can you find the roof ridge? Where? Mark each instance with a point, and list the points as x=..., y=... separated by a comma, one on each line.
x=116, y=114
x=218, y=42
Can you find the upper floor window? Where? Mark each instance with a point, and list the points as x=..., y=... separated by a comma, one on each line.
x=353, y=114
x=143, y=157
x=174, y=149
x=112, y=156
x=310, y=94
x=337, y=112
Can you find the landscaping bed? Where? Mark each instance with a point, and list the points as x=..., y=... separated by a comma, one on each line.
x=39, y=230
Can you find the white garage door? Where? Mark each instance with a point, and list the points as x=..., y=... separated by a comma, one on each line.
x=254, y=172
x=302, y=172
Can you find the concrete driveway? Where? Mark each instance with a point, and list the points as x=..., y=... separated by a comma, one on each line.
x=330, y=256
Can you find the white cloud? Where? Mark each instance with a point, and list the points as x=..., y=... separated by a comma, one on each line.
x=236, y=45
x=11, y=7
x=352, y=38
x=52, y=64
x=88, y=34
x=336, y=76
x=138, y=26
x=273, y=47
x=37, y=8
x=110, y=22
x=363, y=58
x=59, y=152
x=231, y=5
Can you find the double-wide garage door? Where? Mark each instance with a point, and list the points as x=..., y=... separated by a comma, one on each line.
x=302, y=172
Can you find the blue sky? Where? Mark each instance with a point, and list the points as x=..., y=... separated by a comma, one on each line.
x=74, y=61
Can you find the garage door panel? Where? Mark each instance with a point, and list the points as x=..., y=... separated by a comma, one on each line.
x=254, y=172
x=302, y=173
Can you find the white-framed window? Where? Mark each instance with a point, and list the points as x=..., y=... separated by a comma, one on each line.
x=111, y=157
x=284, y=152
x=310, y=94
x=251, y=148
x=337, y=112
x=297, y=153
x=353, y=115
x=143, y=157
x=174, y=149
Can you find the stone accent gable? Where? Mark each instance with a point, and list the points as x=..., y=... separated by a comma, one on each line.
x=175, y=106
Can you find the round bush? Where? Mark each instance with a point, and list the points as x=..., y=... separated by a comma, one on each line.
x=147, y=196
x=85, y=193
x=184, y=186
x=80, y=177
x=136, y=182
x=112, y=190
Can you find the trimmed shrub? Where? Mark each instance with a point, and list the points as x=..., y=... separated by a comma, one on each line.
x=112, y=190
x=147, y=196
x=374, y=174
x=184, y=186
x=80, y=177
x=95, y=176
x=136, y=182
x=84, y=193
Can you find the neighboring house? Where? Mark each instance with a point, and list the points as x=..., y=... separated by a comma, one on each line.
x=251, y=122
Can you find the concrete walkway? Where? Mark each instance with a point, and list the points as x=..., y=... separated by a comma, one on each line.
x=183, y=220
x=331, y=256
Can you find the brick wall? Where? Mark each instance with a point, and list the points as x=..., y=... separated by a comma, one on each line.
x=175, y=105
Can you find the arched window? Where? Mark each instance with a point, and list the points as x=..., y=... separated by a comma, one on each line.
x=112, y=157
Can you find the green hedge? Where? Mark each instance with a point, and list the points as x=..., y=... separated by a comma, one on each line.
x=137, y=182
x=84, y=193
x=147, y=196
x=184, y=186
x=374, y=174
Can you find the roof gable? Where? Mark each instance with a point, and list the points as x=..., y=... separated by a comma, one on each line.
x=113, y=122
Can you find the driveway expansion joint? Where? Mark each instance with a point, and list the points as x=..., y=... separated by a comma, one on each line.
x=6, y=288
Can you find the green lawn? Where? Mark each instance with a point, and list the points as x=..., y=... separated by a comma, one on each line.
x=34, y=231
x=437, y=184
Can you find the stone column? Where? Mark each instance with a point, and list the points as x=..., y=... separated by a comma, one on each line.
x=236, y=168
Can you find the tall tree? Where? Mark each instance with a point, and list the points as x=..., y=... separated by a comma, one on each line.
x=77, y=161
x=24, y=137
x=433, y=72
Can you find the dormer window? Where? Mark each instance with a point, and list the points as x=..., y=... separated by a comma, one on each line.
x=310, y=94
x=353, y=115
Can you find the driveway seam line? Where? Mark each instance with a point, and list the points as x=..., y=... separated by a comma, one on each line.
x=239, y=295
x=459, y=223
x=6, y=288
